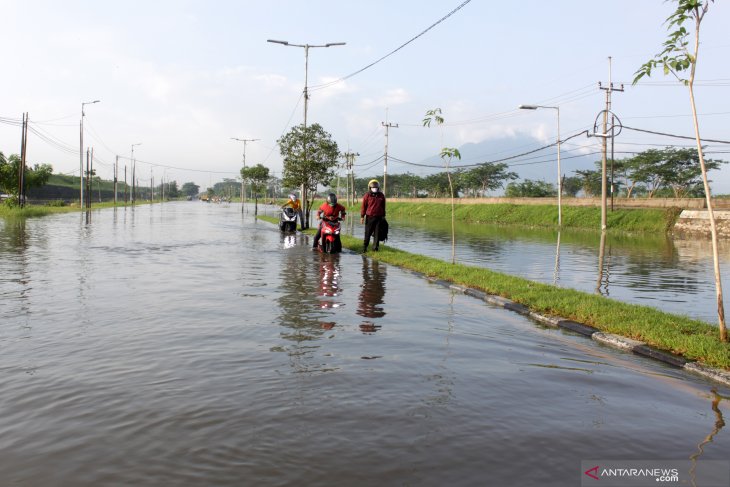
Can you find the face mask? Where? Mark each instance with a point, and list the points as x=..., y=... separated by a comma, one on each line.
x=374, y=190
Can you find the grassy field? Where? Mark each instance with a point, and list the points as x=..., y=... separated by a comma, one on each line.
x=647, y=220
x=42, y=210
x=693, y=339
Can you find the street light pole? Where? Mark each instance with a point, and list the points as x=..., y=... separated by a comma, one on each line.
x=133, y=173
x=243, y=181
x=560, y=175
x=306, y=93
x=81, y=153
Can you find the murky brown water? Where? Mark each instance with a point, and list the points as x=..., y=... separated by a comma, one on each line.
x=187, y=344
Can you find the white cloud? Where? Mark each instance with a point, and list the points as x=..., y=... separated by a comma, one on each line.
x=394, y=97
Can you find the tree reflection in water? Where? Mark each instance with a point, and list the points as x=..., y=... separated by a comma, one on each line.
x=719, y=424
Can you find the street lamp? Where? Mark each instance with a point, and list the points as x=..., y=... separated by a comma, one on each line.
x=243, y=181
x=134, y=187
x=306, y=94
x=81, y=153
x=560, y=176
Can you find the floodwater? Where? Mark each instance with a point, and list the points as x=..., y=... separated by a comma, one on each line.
x=673, y=274
x=188, y=344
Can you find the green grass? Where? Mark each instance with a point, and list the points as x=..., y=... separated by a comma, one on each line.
x=691, y=338
x=650, y=220
x=42, y=210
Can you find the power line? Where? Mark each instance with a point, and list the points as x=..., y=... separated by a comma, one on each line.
x=676, y=136
x=326, y=85
x=286, y=126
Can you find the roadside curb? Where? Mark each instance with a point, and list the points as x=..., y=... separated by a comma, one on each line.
x=615, y=341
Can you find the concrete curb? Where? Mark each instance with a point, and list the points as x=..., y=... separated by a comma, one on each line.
x=609, y=339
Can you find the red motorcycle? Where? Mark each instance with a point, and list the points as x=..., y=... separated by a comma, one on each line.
x=330, y=239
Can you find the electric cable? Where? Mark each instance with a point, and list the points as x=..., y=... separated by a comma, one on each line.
x=326, y=85
x=676, y=136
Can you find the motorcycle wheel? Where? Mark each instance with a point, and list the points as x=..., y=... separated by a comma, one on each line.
x=328, y=246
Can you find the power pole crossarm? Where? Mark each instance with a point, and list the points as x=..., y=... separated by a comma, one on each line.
x=387, y=126
x=609, y=89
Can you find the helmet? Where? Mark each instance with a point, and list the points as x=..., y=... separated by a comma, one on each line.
x=332, y=199
x=373, y=183
x=293, y=197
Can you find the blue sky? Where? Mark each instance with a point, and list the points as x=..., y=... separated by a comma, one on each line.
x=183, y=77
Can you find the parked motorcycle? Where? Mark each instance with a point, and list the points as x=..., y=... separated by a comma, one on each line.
x=288, y=220
x=330, y=238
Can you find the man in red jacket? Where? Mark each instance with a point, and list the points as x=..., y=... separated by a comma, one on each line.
x=372, y=212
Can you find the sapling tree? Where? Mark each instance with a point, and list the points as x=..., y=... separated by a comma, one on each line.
x=679, y=57
x=447, y=155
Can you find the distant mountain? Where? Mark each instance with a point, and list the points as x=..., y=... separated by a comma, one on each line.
x=538, y=165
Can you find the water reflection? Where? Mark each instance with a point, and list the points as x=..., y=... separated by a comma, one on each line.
x=556, y=271
x=372, y=289
x=602, y=283
x=15, y=277
x=719, y=424
x=656, y=270
x=329, y=281
x=299, y=281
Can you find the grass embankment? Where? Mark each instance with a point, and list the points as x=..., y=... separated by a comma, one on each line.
x=43, y=210
x=650, y=220
x=693, y=339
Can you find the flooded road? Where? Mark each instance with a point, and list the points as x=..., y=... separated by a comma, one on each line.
x=188, y=344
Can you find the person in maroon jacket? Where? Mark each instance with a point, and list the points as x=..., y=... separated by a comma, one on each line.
x=372, y=213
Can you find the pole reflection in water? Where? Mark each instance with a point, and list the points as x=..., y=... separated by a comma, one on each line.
x=603, y=267
x=372, y=294
x=719, y=424
x=556, y=271
x=15, y=280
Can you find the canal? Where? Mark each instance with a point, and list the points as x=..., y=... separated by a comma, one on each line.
x=673, y=274
x=189, y=344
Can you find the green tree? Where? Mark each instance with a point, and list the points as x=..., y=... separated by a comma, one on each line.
x=590, y=181
x=190, y=189
x=35, y=177
x=310, y=158
x=256, y=176
x=172, y=190
x=486, y=177
x=447, y=155
x=571, y=186
x=530, y=189
x=676, y=58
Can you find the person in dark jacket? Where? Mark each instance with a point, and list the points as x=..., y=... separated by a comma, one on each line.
x=372, y=213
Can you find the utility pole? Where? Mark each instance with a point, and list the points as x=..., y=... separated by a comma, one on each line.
x=116, y=177
x=21, y=169
x=608, y=89
x=243, y=180
x=81, y=153
x=134, y=181
x=349, y=160
x=385, y=163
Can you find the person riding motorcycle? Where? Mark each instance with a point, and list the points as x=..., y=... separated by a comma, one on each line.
x=296, y=205
x=330, y=210
x=373, y=208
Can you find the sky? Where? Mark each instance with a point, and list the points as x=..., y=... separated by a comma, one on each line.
x=182, y=78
